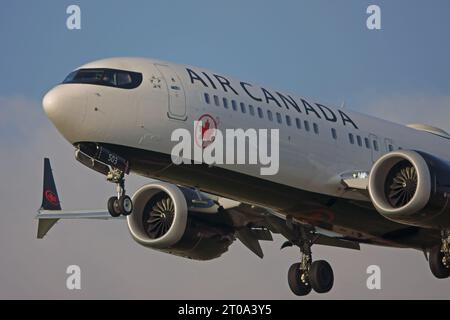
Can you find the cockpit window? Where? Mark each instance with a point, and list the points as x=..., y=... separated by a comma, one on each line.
x=106, y=77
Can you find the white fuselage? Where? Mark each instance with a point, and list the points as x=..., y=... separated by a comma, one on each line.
x=173, y=96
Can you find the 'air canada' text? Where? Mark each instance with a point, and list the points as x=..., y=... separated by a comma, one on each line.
x=262, y=95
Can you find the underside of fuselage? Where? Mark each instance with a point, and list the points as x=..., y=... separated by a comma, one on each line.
x=355, y=220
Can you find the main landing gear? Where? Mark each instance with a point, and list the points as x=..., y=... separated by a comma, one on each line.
x=307, y=274
x=439, y=258
x=120, y=204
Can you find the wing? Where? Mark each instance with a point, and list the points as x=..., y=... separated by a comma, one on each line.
x=50, y=211
x=81, y=214
x=252, y=224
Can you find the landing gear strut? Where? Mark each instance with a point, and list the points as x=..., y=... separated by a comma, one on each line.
x=120, y=204
x=439, y=258
x=308, y=275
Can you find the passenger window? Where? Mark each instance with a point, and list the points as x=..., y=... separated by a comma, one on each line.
x=334, y=133
x=375, y=145
x=225, y=103
x=351, y=138
x=306, y=123
x=358, y=138
x=251, y=110
x=216, y=100
x=207, y=99
x=298, y=123
x=234, y=105
x=269, y=115
x=278, y=117
x=260, y=113
x=288, y=120
x=243, y=109
x=316, y=128
x=367, y=143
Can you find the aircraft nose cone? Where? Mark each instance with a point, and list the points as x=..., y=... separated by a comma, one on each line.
x=65, y=107
x=49, y=103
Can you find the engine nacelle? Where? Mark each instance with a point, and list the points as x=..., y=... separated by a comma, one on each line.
x=175, y=220
x=413, y=188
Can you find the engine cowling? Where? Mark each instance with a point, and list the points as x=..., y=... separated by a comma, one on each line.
x=411, y=187
x=175, y=220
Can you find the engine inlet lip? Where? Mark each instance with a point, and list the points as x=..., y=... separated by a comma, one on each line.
x=176, y=231
x=379, y=174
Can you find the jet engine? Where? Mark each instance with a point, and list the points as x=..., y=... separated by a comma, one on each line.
x=411, y=187
x=178, y=221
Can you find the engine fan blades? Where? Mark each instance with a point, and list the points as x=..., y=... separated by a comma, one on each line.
x=160, y=218
x=402, y=185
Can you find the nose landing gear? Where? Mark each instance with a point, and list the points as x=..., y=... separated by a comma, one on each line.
x=112, y=165
x=439, y=258
x=120, y=204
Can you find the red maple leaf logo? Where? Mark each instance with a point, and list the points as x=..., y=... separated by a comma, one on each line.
x=51, y=197
x=205, y=128
x=205, y=131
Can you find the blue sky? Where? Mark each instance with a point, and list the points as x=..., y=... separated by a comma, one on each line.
x=320, y=49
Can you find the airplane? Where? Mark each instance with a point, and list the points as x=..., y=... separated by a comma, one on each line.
x=344, y=178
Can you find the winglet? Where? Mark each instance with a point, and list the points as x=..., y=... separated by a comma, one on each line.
x=50, y=200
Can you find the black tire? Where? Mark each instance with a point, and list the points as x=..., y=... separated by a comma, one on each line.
x=126, y=205
x=437, y=267
x=297, y=286
x=113, y=207
x=321, y=276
